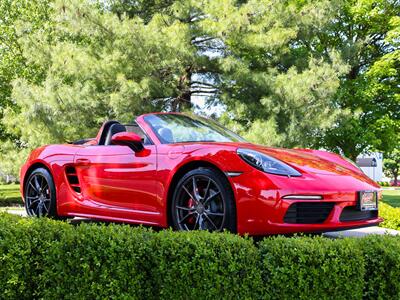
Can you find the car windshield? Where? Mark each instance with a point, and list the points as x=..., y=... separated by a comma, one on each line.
x=176, y=128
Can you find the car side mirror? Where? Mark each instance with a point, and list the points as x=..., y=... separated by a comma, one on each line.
x=130, y=139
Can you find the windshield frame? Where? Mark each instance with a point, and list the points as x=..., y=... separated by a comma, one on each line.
x=210, y=123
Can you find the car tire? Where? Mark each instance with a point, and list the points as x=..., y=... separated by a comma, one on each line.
x=40, y=195
x=203, y=200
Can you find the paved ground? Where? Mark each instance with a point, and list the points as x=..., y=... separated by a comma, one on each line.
x=360, y=232
x=20, y=211
x=337, y=234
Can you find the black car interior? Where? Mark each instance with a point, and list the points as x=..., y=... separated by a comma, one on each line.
x=106, y=129
x=114, y=129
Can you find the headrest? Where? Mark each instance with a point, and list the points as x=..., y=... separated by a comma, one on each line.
x=166, y=135
x=115, y=128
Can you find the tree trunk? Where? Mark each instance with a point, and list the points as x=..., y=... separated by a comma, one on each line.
x=182, y=101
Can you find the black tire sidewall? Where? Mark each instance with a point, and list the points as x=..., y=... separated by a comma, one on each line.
x=53, y=204
x=223, y=185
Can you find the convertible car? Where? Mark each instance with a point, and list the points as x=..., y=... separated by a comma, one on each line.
x=170, y=169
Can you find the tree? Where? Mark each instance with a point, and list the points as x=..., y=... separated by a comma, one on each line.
x=13, y=63
x=200, y=74
x=99, y=62
x=144, y=9
x=271, y=83
x=247, y=59
x=96, y=67
x=366, y=34
x=392, y=165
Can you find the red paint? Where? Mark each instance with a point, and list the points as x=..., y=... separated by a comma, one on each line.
x=118, y=184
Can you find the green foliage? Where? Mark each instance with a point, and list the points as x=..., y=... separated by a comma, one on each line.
x=95, y=262
x=391, y=216
x=145, y=9
x=205, y=266
x=16, y=252
x=274, y=86
x=391, y=197
x=42, y=258
x=382, y=267
x=305, y=268
x=392, y=165
x=366, y=33
x=287, y=73
x=389, y=209
x=256, y=64
x=49, y=259
x=13, y=63
x=10, y=195
x=96, y=67
x=18, y=18
x=384, y=183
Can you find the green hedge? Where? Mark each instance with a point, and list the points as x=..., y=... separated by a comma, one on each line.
x=304, y=268
x=47, y=259
x=391, y=216
x=42, y=258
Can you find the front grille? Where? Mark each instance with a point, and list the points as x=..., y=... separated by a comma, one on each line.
x=352, y=213
x=308, y=212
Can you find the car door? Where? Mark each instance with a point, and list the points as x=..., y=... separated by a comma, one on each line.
x=118, y=182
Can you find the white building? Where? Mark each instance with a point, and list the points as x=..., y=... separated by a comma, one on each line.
x=372, y=165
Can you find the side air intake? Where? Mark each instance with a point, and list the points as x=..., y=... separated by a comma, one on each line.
x=73, y=179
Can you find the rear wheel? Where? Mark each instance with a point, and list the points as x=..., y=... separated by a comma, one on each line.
x=40, y=194
x=203, y=200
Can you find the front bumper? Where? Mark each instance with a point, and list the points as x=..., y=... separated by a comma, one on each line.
x=261, y=209
x=274, y=221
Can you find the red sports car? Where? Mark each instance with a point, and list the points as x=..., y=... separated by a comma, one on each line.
x=169, y=169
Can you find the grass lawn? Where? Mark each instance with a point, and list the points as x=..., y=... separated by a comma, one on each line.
x=10, y=195
x=392, y=197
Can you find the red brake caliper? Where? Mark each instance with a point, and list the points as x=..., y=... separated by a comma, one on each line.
x=191, y=204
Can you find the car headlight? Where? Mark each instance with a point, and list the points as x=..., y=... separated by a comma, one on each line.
x=267, y=163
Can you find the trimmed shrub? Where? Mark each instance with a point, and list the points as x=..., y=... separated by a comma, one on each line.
x=47, y=259
x=205, y=266
x=311, y=268
x=15, y=258
x=391, y=216
x=382, y=261
x=96, y=262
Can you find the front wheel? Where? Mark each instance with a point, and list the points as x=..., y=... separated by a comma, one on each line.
x=40, y=194
x=203, y=200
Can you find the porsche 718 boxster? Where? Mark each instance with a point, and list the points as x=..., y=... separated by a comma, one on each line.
x=190, y=173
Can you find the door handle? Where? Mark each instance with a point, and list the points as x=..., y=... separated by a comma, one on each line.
x=83, y=161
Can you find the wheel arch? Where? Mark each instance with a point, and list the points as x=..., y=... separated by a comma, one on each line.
x=185, y=168
x=33, y=167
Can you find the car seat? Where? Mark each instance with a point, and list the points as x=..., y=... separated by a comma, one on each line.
x=114, y=129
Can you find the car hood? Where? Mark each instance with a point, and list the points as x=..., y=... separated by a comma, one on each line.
x=306, y=161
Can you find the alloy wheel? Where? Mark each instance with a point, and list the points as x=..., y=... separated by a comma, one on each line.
x=38, y=196
x=200, y=204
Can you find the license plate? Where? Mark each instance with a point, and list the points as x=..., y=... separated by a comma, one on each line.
x=367, y=200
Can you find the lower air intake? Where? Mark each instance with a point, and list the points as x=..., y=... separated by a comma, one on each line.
x=352, y=213
x=308, y=212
